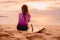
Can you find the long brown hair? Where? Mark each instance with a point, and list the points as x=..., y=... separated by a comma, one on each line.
x=24, y=10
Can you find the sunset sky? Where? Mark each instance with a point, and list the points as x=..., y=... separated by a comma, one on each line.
x=47, y=11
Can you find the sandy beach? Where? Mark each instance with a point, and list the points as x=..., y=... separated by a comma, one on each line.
x=9, y=32
x=50, y=19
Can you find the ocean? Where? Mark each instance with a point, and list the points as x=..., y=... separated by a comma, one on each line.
x=9, y=13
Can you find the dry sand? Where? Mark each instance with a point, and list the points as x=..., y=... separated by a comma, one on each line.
x=9, y=32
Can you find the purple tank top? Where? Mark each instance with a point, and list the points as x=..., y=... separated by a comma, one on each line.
x=21, y=20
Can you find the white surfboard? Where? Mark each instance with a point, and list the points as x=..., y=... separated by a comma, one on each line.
x=33, y=28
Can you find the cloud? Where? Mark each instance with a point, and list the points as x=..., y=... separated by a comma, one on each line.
x=54, y=12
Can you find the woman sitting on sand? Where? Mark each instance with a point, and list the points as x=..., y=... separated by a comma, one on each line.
x=24, y=18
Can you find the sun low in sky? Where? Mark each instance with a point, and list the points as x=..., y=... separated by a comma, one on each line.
x=38, y=5
x=43, y=5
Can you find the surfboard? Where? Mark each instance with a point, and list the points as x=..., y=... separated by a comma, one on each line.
x=34, y=28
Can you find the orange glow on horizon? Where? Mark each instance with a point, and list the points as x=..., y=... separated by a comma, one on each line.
x=38, y=5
